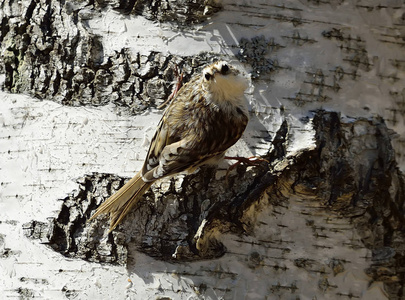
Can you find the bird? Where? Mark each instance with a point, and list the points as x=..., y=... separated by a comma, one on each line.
x=206, y=116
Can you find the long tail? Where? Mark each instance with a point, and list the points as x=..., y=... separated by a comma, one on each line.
x=120, y=204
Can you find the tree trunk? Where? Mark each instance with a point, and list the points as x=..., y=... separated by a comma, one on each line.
x=322, y=217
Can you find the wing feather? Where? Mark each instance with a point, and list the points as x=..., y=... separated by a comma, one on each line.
x=186, y=139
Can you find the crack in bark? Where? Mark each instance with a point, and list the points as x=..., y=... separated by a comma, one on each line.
x=41, y=59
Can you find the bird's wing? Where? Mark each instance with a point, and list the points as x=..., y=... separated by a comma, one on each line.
x=178, y=146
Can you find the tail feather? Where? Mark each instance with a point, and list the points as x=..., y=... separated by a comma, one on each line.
x=120, y=204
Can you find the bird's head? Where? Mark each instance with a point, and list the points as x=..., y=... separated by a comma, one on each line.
x=223, y=81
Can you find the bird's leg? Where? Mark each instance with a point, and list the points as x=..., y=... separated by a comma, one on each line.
x=248, y=161
x=176, y=87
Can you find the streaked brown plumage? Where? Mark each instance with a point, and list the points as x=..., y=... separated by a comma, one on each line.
x=206, y=117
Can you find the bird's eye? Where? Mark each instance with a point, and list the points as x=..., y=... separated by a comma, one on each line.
x=224, y=69
x=207, y=76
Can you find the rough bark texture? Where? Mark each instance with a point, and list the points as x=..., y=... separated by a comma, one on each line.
x=181, y=12
x=315, y=209
x=177, y=221
x=50, y=53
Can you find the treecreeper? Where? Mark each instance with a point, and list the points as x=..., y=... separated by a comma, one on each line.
x=206, y=116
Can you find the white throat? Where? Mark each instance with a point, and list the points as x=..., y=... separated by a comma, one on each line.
x=228, y=87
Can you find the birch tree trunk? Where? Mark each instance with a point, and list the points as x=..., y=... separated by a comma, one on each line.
x=322, y=218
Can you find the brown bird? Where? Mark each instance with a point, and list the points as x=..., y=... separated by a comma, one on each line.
x=206, y=117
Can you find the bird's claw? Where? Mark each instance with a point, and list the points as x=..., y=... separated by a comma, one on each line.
x=248, y=161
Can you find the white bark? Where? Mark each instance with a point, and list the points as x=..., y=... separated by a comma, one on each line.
x=340, y=56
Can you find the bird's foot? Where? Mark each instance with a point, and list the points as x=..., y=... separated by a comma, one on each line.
x=248, y=161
